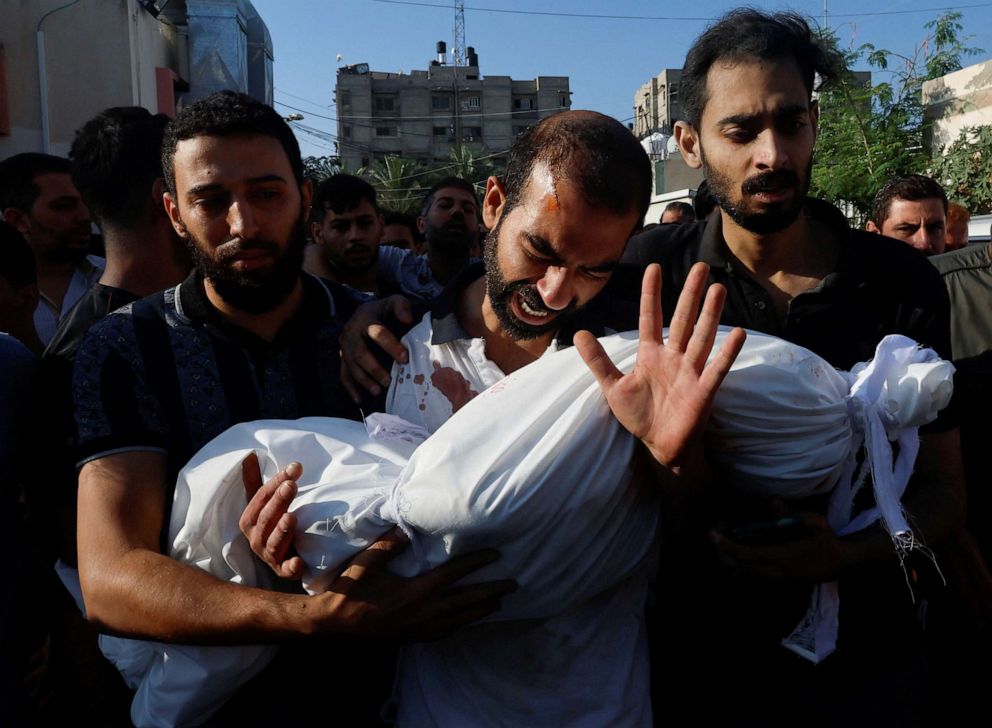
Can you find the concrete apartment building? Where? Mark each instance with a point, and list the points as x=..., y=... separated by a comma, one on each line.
x=656, y=104
x=958, y=100
x=62, y=63
x=422, y=114
x=656, y=109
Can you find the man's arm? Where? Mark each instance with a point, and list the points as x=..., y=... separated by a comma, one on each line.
x=131, y=588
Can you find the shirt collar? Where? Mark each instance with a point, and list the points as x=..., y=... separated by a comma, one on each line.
x=193, y=304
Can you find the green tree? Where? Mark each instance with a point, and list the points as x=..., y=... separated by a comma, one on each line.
x=320, y=168
x=869, y=132
x=398, y=181
x=964, y=168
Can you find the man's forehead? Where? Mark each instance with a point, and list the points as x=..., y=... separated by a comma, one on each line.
x=364, y=208
x=55, y=184
x=230, y=158
x=752, y=87
x=454, y=193
x=929, y=207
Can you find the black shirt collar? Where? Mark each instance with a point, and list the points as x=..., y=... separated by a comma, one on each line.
x=193, y=304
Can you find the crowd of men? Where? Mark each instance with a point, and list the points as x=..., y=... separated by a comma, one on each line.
x=230, y=288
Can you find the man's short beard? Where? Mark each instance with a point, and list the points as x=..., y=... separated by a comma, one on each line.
x=500, y=293
x=255, y=292
x=455, y=243
x=771, y=220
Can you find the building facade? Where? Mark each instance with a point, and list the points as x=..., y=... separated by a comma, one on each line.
x=656, y=104
x=61, y=64
x=957, y=101
x=423, y=114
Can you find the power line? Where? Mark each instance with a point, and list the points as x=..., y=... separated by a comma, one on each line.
x=597, y=16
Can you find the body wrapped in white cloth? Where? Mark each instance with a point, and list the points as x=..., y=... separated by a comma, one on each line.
x=535, y=466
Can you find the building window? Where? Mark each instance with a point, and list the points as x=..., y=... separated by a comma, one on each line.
x=440, y=102
x=345, y=99
x=564, y=101
x=473, y=102
x=442, y=131
x=385, y=103
x=386, y=131
x=346, y=132
x=472, y=134
x=524, y=103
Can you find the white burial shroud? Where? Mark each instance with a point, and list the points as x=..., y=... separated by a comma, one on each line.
x=537, y=467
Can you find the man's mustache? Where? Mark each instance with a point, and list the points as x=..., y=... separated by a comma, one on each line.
x=768, y=181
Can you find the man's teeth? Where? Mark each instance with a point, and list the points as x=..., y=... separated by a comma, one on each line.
x=531, y=311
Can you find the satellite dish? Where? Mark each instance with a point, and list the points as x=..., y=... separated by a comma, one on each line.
x=340, y=57
x=673, y=146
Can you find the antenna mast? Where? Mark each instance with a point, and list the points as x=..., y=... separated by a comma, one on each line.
x=458, y=46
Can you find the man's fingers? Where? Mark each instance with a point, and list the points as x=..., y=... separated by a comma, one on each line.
x=261, y=497
x=720, y=364
x=455, y=569
x=402, y=310
x=377, y=554
x=651, y=321
x=704, y=335
x=682, y=322
x=387, y=341
x=278, y=546
x=598, y=361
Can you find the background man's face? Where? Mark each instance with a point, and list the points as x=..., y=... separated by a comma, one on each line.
x=451, y=224
x=399, y=236
x=350, y=239
x=241, y=210
x=755, y=142
x=957, y=235
x=550, y=255
x=917, y=222
x=57, y=226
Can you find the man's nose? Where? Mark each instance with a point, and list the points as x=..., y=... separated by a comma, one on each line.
x=555, y=288
x=771, y=153
x=241, y=220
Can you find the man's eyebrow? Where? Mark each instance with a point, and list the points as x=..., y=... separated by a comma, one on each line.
x=543, y=247
x=784, y=112
x=214, y=186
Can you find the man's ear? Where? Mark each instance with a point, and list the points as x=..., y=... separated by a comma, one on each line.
x=871, y=227
x=493, y=202
x=306, y=193
x=687, y=138
x=316, y=233
x=172, y=210
x=17, y=219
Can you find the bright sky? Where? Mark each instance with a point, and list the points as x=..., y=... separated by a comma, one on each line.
x=606, y=58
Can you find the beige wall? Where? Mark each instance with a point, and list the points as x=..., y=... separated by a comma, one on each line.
x=98, y=53
x=958, y=100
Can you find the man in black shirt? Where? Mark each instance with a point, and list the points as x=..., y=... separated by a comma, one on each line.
x=246, y=337
x=792, y=268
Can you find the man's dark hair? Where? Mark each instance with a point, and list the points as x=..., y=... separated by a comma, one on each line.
x=116, y=157
x=17, y=173
x=596, y=153
x=17, y=265
x=340, y=193
x=457, y=182
x=391, y=217
x=224, y=114
x=684, y=209
x=747, y=34
x=910, y=187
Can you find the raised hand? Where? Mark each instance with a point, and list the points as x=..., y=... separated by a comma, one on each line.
x=666, y=399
